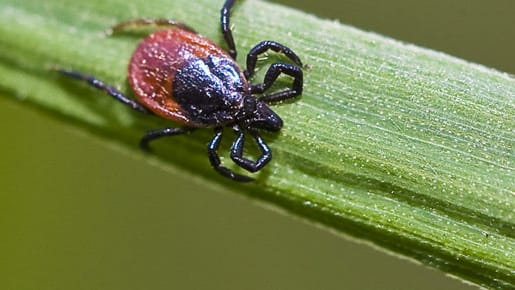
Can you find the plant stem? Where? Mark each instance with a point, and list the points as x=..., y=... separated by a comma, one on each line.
x=404, y=147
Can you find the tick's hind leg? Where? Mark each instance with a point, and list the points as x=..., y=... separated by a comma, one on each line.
x=146, y=22
x=113, y=92
x=155, y=134
x=214, y=158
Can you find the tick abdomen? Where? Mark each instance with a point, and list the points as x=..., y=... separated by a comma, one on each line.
x=165, y=60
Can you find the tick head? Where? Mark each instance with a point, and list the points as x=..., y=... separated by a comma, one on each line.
x=257, y=115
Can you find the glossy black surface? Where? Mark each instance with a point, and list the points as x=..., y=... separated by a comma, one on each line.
x=211, y=91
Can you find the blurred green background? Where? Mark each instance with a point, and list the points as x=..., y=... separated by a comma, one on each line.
x=75, y=214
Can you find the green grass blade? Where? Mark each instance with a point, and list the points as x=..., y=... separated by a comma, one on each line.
x=407, y=148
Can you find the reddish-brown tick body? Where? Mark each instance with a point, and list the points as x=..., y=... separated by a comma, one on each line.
x=182, y=76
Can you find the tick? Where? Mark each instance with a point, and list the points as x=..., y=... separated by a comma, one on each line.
x=184, y=77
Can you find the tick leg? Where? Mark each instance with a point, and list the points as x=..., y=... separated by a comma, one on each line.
x=272, y=74
x=154, y=134
x=261, y=48
x=247, y=164
x=106, y=88
x=144, y=22
x=215, y=159
x=226, y=27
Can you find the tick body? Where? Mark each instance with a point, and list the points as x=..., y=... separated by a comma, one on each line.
x=182, y=76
